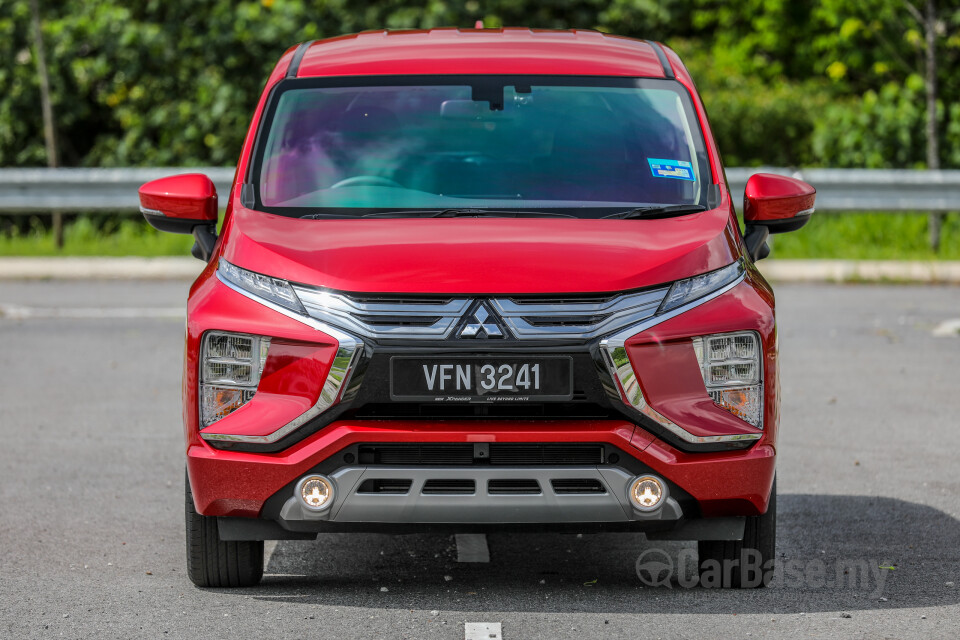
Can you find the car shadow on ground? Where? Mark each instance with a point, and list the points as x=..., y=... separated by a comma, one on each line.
x=835, y=553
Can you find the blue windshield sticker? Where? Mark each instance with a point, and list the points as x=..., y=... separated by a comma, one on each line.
x=679, y=169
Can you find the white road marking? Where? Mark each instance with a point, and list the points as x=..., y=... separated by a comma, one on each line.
x=948, y=329
x=472, y=547
x=18, y=312
x=482, y=631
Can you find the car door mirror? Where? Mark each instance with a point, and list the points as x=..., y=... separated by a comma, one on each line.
x=774, y=204
x=184, y=203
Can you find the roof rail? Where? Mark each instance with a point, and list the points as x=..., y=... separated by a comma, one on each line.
x=667, y=69
x=297, y=57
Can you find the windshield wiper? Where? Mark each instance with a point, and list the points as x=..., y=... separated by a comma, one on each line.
x=506, y=213
x=469, y=213
x=659, y=211
x=320, y=216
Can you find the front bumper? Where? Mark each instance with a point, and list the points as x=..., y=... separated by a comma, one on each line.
x=254, y=483
x=444, y=495
x=719, y=484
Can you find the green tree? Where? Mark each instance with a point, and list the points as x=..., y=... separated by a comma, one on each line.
x=170, y=82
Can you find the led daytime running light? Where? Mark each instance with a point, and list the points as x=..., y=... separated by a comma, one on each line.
x=271, y=289
x=685, y=291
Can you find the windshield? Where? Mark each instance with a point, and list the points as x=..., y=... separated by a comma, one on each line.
x=579, y=146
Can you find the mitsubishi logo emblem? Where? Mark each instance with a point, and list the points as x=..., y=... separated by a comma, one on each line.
x=481, y=321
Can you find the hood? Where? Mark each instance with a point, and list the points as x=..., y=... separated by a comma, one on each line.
x=481, y=256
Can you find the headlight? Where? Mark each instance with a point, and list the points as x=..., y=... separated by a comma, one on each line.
x=230, y=369
x=271, y=289
x=685, y=291
x=730, y=364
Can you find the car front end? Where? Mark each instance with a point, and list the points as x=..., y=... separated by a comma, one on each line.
x=424, y=409
x=478, y=281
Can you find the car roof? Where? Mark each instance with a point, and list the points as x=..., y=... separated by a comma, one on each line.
x=481, y=51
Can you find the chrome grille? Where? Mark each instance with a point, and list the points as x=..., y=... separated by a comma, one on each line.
x=530, y=318
x=385, y=318
x=525, y=318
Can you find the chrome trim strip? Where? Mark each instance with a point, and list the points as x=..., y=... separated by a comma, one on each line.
x=614, y=354
x=621, y=302
x=517, y=314
x=344, y=364
x=805, y=212
x=342, y=310
x=152, y=212
x=624, y=309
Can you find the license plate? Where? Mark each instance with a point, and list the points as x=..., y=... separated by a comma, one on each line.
x=481, y=379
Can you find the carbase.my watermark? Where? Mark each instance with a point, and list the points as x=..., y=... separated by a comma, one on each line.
x=658, y=568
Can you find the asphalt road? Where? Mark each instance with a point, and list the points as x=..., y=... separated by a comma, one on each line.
x=91, y=522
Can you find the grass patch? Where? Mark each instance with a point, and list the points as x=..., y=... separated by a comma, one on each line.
x=852, y=236
x=92, y=236
x=869, y=236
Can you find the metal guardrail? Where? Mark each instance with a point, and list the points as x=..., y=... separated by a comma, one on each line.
x=868, y=189
x=33, y=190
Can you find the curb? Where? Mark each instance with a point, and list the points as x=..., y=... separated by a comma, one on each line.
x=854, y=271
x=99, y=268
x=182, y=268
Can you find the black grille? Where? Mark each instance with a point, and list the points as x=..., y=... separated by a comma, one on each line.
x=384, y=486
x=416, y=454
x=398, y=300
x=585, y=485
x=524, y=454
x=467, y=454
x=449, y=486
x=397, y=321
x=564, y=321
x=526, y=410
x=565, y=300
x=513, y=487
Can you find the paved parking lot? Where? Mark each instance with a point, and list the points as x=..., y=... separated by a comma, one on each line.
x=91, y=472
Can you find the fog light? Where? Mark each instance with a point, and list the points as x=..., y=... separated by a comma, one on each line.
x=316, y=492
x=647, y=493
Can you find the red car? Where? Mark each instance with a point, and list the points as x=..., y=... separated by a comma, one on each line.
x=479, y=280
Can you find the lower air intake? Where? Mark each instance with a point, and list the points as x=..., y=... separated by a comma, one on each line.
x=585, y=485
x=385, y=486
x=513, y=487
x=449, y=487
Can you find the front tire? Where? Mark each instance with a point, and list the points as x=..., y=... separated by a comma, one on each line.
x=211, y=562
x=747, y=563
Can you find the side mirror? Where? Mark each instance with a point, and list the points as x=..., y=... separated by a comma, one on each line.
x=183, y=204
x=774, y=204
